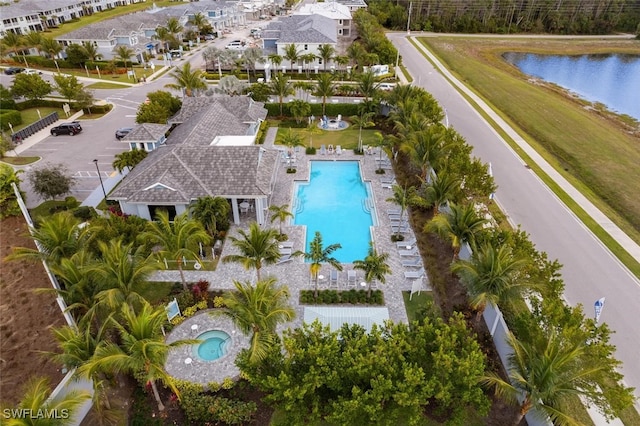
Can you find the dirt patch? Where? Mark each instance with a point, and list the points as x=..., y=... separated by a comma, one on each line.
x=25, y=317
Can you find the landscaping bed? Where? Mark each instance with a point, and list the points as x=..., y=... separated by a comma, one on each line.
x=334, y=297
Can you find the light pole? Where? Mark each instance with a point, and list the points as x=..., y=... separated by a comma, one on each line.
x=100, y=177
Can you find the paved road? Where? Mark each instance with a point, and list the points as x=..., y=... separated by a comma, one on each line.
x=590, y=271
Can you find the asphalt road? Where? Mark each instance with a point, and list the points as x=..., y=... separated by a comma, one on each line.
x=590, y=271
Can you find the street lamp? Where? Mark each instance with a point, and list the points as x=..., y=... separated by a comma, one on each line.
x=100, y=177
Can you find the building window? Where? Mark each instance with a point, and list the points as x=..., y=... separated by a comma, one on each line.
x=306, y=47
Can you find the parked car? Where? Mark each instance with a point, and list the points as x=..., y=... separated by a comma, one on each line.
x=13, y=70
x=72, y=129
x=386, y=86
x=209, y=37
x=122, y=132
x=236, y=45
x=31, y=71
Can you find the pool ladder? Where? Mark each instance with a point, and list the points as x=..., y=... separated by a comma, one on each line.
x=367, y=205
x=298, y=207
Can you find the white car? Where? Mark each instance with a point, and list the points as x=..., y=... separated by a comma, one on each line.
x=236, y=45
x=386, y=86
x=31, y=71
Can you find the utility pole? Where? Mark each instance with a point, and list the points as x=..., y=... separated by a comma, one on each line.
x=409, y=19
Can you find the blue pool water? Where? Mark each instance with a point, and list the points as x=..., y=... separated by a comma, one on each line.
x=214, y=345
x=335, y=202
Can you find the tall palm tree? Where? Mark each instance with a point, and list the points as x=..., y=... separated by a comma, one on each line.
x=546, y=373
x=174, y=27
x=290, y=139
x=326, y=52
x=375, y=267
x=51, y=46
x=177, y=239
x=362, y=121
x=426, y=149
x=492, y=276
x=291, y=54
x=299, y=109
x=367, y=85
x=121, y=271
x=307, y=59
x=200, y=22
x=142, y=352
x=165, y=37
x=275, y=60
x=341, y=60
x=251, y=56
x=212, y=212
x=280, y=213
x=124, y=53
x=36, y=399
x=317, y=255
x=129, y=159
x=325, y=87
x=442, y=188
x=402, y=196
x=257, y=311
x=312, y=129
x=33, y=39
x=258, y=247
x=356, y=53
x=281, y=87
x=187, y=80
x=14, y=43
x=80, y=286
x=91, y=50
x=58, y=236
x=460, y=225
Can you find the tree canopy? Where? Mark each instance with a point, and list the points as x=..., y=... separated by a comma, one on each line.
x=51, y=181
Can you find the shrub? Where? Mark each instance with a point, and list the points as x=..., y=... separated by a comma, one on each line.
x=9, y=116
x=185, y=299
x=331, y=297
x=291, y=170
x=310, y=150
x=84, y=213
x=331, y=110
x=218, y=302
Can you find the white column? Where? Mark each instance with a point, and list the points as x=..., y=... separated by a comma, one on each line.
x=236, y=212
x=261, y=205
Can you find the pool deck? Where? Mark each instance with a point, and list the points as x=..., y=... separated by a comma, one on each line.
x=295, y=273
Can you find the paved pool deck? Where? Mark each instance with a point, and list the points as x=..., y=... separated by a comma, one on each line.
x=295, y=273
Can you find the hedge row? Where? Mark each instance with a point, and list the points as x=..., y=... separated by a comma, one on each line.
x=43, y=62
x=332, y=297
x=9, y=116
x=34, y=103
x=331, y=110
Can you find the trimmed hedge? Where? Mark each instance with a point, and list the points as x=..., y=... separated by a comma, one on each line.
x=332, y=297
x=34, y=103
x=331, y=110
x=9, y=116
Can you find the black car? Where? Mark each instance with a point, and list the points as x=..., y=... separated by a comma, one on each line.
x=122, y=132
x=13, y=70
x=72, y=129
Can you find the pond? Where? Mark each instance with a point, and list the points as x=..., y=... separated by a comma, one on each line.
x=609, y=79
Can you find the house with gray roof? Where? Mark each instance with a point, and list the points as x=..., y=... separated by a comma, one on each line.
x=306, y=32
x=332, y=10
x=146, y=136
x=211, y=152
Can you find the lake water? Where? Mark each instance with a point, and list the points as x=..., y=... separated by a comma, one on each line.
x=613, y=80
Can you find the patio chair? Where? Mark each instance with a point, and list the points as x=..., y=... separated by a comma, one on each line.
x=414, y=275
x=286, y=251
x=393, y=211
x=284, y=259
x=386, y=185
x=285, y=245
x=389, y=180
x=406, y=243
x=352, y=278
x=402, y=229
x=413, y=263
x=338, y=150
x=408, y=253
x=323, y=150
x=333, y=278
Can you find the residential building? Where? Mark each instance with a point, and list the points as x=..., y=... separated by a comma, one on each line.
x=353, y=5
x=339, y=13
x=147, y=136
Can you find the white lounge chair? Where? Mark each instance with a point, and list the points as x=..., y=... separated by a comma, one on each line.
x=284, y=259
x=338, y=150
x=408, y=253
x=387, y=185
x=323, y=150
x=402, y=229
x=352, y=278
x=406, y=243
x=333, y=278
x=286, y=251
x=414, y=275
x=413, y=263
x=285, y=245
x=390, y=181
x=393, y=211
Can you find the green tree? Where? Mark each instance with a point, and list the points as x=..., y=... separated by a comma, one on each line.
x=174, y=27
x=85, y=99
x=231, y=85
x=317, y=255
x=124, y=53
x=426, y=149
x=257, y=311
x=275, y=60
x=213, y=214
x=177, y=239
x=252, y=56
x=460, y=225
x=37, y=391
x=299, y=109
x=281, y=87
x=493, y=276
x=291, y=54
x=443, y=187
x=201, y=22
x=280, y=213
x=160, y=107
x=91, y=50
x=8, y=201
x=290, y=139
x=129, y=159
x=76, y=55
x=356, y=53
x=362, y=120
x=312, y=129
x=375, y=267
x=259, y=92
x=326, y=52
x=31, y=86
x=33, y=39
x=325, y=88
x=142, y=351
x=187, y=80
x=167, y=39
x=14, y=43
x=367, y=85
x=51, y=181
x=402, y=196
x=51, y=46
x=257, y=247
x=67, y=85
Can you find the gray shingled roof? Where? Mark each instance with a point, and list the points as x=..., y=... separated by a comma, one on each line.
x=147, y=132
x=302, y=29
x=185, y=173
x=120, y=26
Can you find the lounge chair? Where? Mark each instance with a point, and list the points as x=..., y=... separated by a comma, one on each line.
x=333, y=278
x=407, y=243
x=414, y=275
x=413, y=263
x=400, y=229
x=393, y=211
x=285, y=245
x=387, y=185
x=390, y=181
x=351, y=278
x=408, y=253
x=338, y=150
x=286, y=251
x=323, y=150
x=284, y=259
x=330, y=149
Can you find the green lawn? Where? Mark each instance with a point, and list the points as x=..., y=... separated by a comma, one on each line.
x=30, y=116
x=347, y=139
x=155, y=291
x=417, y=304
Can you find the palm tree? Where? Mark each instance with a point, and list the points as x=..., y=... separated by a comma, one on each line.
x=200, y=22
x=326, y=52
x=124, y=53
x=492, y=276
x=212, y=212
x=142, y=352
x=290, y=139
x=13, y=42
x=281, y=87
x=165, y=37
x=324, y=88
x=275, y=60
x=460, y=225
x=367, y=85
x=356, y=53
x=174, y=27
x=177, y=239
x=251, y=56
x=318, y=255
x=402, y=196
x=258, y=310
x=58, y=237
x=280, y=213
x=307, y=59
x=362, y=120
x=121, y=271
x=91, y=50
x=80, y=286
x=36, y=399
x=51, y=47
x=312, y=129
x=299, y=109
x=186, y=80
x=129, y=159
x=442, y=188
x=341, y=60
x=257, y=247
x=426, y=150
x=33, y=39
x=375, y=267
x=291, y=54
x=547, y=373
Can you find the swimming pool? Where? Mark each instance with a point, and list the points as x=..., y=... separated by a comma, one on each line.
x=214, y=345
x=337, y=203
